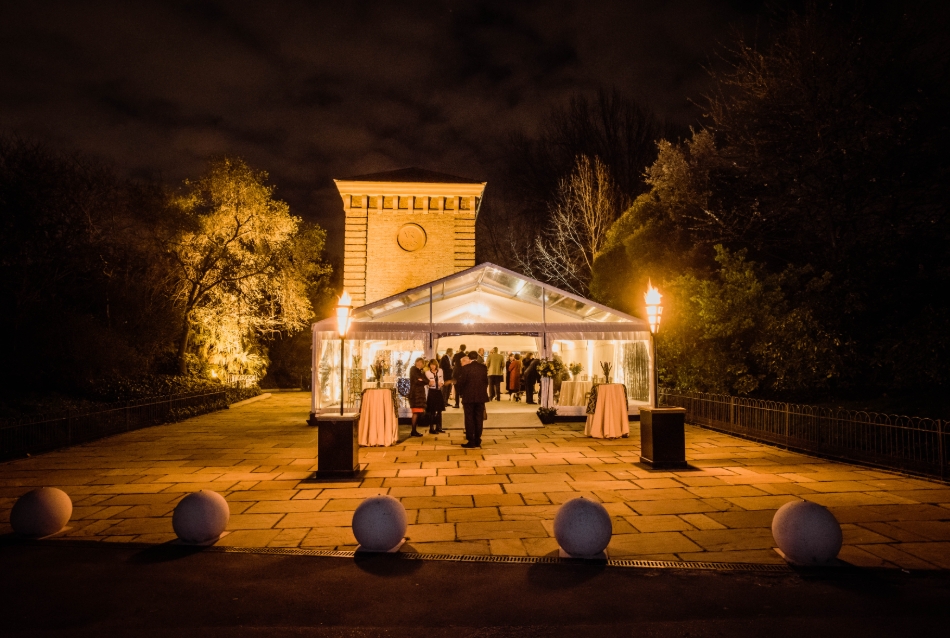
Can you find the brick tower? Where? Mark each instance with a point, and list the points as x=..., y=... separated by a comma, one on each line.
x=405, y=228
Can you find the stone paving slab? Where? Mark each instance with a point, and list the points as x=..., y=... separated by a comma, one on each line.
x=501, y=499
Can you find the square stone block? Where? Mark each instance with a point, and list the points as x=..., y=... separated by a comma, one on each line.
x=337, y=445
x=663, y=437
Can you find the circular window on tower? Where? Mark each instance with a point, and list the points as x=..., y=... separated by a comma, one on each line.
x=411, y=237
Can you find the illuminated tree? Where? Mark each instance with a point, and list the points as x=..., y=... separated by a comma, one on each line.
x=233, y=257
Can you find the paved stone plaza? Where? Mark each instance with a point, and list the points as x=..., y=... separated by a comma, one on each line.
x=501, y=499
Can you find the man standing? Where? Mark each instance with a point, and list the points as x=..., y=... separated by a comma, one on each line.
x=445, y=363
x=472, y=384
x=496, y=372
x=531, y=377
x=456, y=367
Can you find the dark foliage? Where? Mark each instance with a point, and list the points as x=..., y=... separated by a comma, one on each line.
x=82, y=298
x=91, y=314
x=826, y=151
x=835, y=152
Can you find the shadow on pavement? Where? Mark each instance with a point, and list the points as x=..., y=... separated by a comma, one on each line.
x=385, y=565
x=564, y=576
x=172, y=550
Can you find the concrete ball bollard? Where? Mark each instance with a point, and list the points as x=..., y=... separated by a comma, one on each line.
x=41, y=512
x=582, y=528
x=379, y=524
x=807, y=533
x=201, y=517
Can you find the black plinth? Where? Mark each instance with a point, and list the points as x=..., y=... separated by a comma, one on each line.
x=663, y=438
x=337, y=445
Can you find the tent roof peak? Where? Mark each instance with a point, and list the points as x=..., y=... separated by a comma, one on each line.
x=500, y=282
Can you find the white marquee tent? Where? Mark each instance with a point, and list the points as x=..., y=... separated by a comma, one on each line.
x=483, y=306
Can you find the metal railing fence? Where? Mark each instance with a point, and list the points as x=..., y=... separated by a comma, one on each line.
x=44, y=433
x=911, y=444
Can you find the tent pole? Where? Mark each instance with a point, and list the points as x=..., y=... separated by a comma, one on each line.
x=314, y=369
x=544, y=325
x=431, y=340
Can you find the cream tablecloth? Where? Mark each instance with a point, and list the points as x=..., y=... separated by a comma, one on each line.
x=609, y=420
x=574, y=392
x=378, y=423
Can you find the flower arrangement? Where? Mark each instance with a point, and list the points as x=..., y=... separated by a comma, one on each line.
x=606, y=367
x=575, y=369
x=546, y=415
x=550, y=367
x=378, y=369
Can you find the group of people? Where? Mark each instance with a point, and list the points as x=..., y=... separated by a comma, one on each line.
x=477, y=380
x=521, y=376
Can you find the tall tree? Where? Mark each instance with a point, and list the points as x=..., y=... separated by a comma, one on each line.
x=232, y=252
x=826, y=148
x=82, y=292
x=586, y=204
x=617, y=130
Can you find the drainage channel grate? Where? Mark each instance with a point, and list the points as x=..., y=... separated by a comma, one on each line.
x=518, y=560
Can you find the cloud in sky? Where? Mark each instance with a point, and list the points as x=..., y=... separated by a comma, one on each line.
x=310, y=91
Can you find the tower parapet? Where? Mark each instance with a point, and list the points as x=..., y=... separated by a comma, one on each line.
x=404, y=228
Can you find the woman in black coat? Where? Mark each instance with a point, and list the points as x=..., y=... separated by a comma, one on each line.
x=435, y=401
x=417, y=392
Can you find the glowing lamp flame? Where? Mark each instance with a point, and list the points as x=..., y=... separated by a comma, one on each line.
x=654, y=310
x=343, y=313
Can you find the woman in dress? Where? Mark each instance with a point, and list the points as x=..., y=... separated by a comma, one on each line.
x=435, y=399
x=417, y=393
x=514, y=377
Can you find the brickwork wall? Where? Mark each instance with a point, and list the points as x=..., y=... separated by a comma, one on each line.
x=375, y=265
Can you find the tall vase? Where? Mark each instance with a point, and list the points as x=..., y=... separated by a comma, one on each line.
x=547, y=392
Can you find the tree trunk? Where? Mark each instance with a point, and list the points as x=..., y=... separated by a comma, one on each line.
x=183, y=346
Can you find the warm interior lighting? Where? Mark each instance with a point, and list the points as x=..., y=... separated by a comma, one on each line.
x=478, y=309
x=654, y=310
x=343, y=310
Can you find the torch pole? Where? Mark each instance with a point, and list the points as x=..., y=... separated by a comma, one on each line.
x=656, y=385
x=342, y=342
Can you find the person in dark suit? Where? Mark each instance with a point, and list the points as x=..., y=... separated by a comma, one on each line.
x=531, y=377
x=417, y=393
x=456, y=366
x=445, y=364
x=472, y=384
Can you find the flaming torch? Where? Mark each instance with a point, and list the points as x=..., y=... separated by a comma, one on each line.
x=343, y=311
x=654, y=312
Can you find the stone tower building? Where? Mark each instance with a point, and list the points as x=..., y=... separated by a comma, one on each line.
x=405, y=228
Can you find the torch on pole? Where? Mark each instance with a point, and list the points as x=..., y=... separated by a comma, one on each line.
x=343, y=313
x=654, y=312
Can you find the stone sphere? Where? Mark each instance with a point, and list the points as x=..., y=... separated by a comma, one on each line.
x=201, y=517
x=379, y=523
x=41, y=512
x=582, y=528
x=807, y=533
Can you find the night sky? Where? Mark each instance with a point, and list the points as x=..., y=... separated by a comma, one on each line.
x=311, y=91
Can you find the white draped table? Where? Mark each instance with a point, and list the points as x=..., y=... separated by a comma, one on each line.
x=609, y=420
x=574, y=393
x=378, y=422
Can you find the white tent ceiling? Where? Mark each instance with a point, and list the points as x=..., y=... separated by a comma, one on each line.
x=490, y=297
